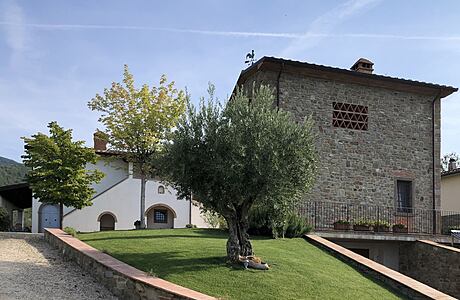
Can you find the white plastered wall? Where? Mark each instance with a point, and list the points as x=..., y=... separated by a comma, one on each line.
x=197, y=217
x=35, y=206
x=119, y=194
x=450, y=192
x=123, y=200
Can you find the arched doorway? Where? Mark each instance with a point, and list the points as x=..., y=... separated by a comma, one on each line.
x=160, y=216
x=107, y=221
x=48, y=216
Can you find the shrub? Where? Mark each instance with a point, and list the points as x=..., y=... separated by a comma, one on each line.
x=4, y=220
x=381, y=223
x=222, y=223
x=296, y=226
x=399, y=226
x=212, y=218
x=137, y=224
x=259, y=221
x=363, y=222
x=70, y=230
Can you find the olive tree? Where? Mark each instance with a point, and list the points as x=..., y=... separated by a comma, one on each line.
x=236, y=156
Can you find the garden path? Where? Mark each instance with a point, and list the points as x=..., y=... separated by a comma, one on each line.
x=31, y=269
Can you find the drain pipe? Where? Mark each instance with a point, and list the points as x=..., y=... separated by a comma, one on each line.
x=433, y=127
x=278, y=87
x=190, y=209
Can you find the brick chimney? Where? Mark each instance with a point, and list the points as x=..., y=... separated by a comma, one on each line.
x=100, y=141
x=363, y=65
x=452, y=164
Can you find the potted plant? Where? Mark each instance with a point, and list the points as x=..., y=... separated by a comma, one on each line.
x=400, y=228
x=341, y=225
x=381, y=226
x=137, y=224
x=362, y=225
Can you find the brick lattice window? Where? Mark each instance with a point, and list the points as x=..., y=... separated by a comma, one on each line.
x=351, y=116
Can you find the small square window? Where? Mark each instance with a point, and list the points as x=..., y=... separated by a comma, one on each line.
x=160, y=216
x=161, y=189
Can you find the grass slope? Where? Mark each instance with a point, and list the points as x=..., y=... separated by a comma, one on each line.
x=195, y=258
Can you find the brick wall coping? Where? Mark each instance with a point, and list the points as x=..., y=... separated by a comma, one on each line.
x=125, y=269
x=439, y=245
x=382, y=236
x=403, y=280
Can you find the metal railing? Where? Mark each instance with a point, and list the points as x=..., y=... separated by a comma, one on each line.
x=323, y=215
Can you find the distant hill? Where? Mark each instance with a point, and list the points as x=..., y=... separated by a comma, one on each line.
x=11, y=172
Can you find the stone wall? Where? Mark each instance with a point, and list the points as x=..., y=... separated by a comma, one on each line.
x=433, y=264
x=362, y=166
x=122, y=280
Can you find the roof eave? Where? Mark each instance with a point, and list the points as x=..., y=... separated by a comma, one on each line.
x=319, y=71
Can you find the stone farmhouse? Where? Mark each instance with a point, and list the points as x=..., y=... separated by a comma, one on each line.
x=116, y=204
x=378, y=142
x=378, y=184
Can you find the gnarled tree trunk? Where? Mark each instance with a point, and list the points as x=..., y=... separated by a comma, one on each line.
x=238, y=242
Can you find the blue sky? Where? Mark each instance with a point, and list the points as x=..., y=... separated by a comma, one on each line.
x=56, y=55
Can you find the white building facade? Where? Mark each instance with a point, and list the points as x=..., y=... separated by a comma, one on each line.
x=116, y=204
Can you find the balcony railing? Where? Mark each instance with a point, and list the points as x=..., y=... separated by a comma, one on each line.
x=323, y=215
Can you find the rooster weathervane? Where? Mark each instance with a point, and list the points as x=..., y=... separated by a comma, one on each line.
x=250, y=58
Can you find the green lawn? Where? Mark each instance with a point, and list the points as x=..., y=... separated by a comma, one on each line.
x=195, y=258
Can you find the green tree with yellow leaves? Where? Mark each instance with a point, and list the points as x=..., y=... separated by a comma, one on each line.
x=138, y=121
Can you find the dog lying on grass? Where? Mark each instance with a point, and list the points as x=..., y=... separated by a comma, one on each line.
x=253, y=262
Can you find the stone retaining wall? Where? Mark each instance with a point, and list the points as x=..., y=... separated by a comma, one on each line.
x=398, y=282
x=122, y=280
x=432, y=263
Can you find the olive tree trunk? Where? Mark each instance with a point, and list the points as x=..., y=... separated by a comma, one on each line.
x=238, y=242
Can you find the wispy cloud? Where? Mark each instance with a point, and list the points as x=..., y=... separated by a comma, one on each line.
x=17, y=32
x=323, y=25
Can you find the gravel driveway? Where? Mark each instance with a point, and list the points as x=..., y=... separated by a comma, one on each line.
x=31, y=269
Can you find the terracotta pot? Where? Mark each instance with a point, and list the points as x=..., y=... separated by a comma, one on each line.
x=400, y=230
x=361, y=228
x=341, y=226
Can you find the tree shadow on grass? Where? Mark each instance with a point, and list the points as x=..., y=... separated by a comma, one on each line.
x=163, y=264
x=157, y=234
x=148, y=237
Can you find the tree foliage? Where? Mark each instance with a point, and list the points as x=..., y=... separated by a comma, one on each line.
x=446, y=158
x=138, y=120
x=239, y=156
x=57, y=168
